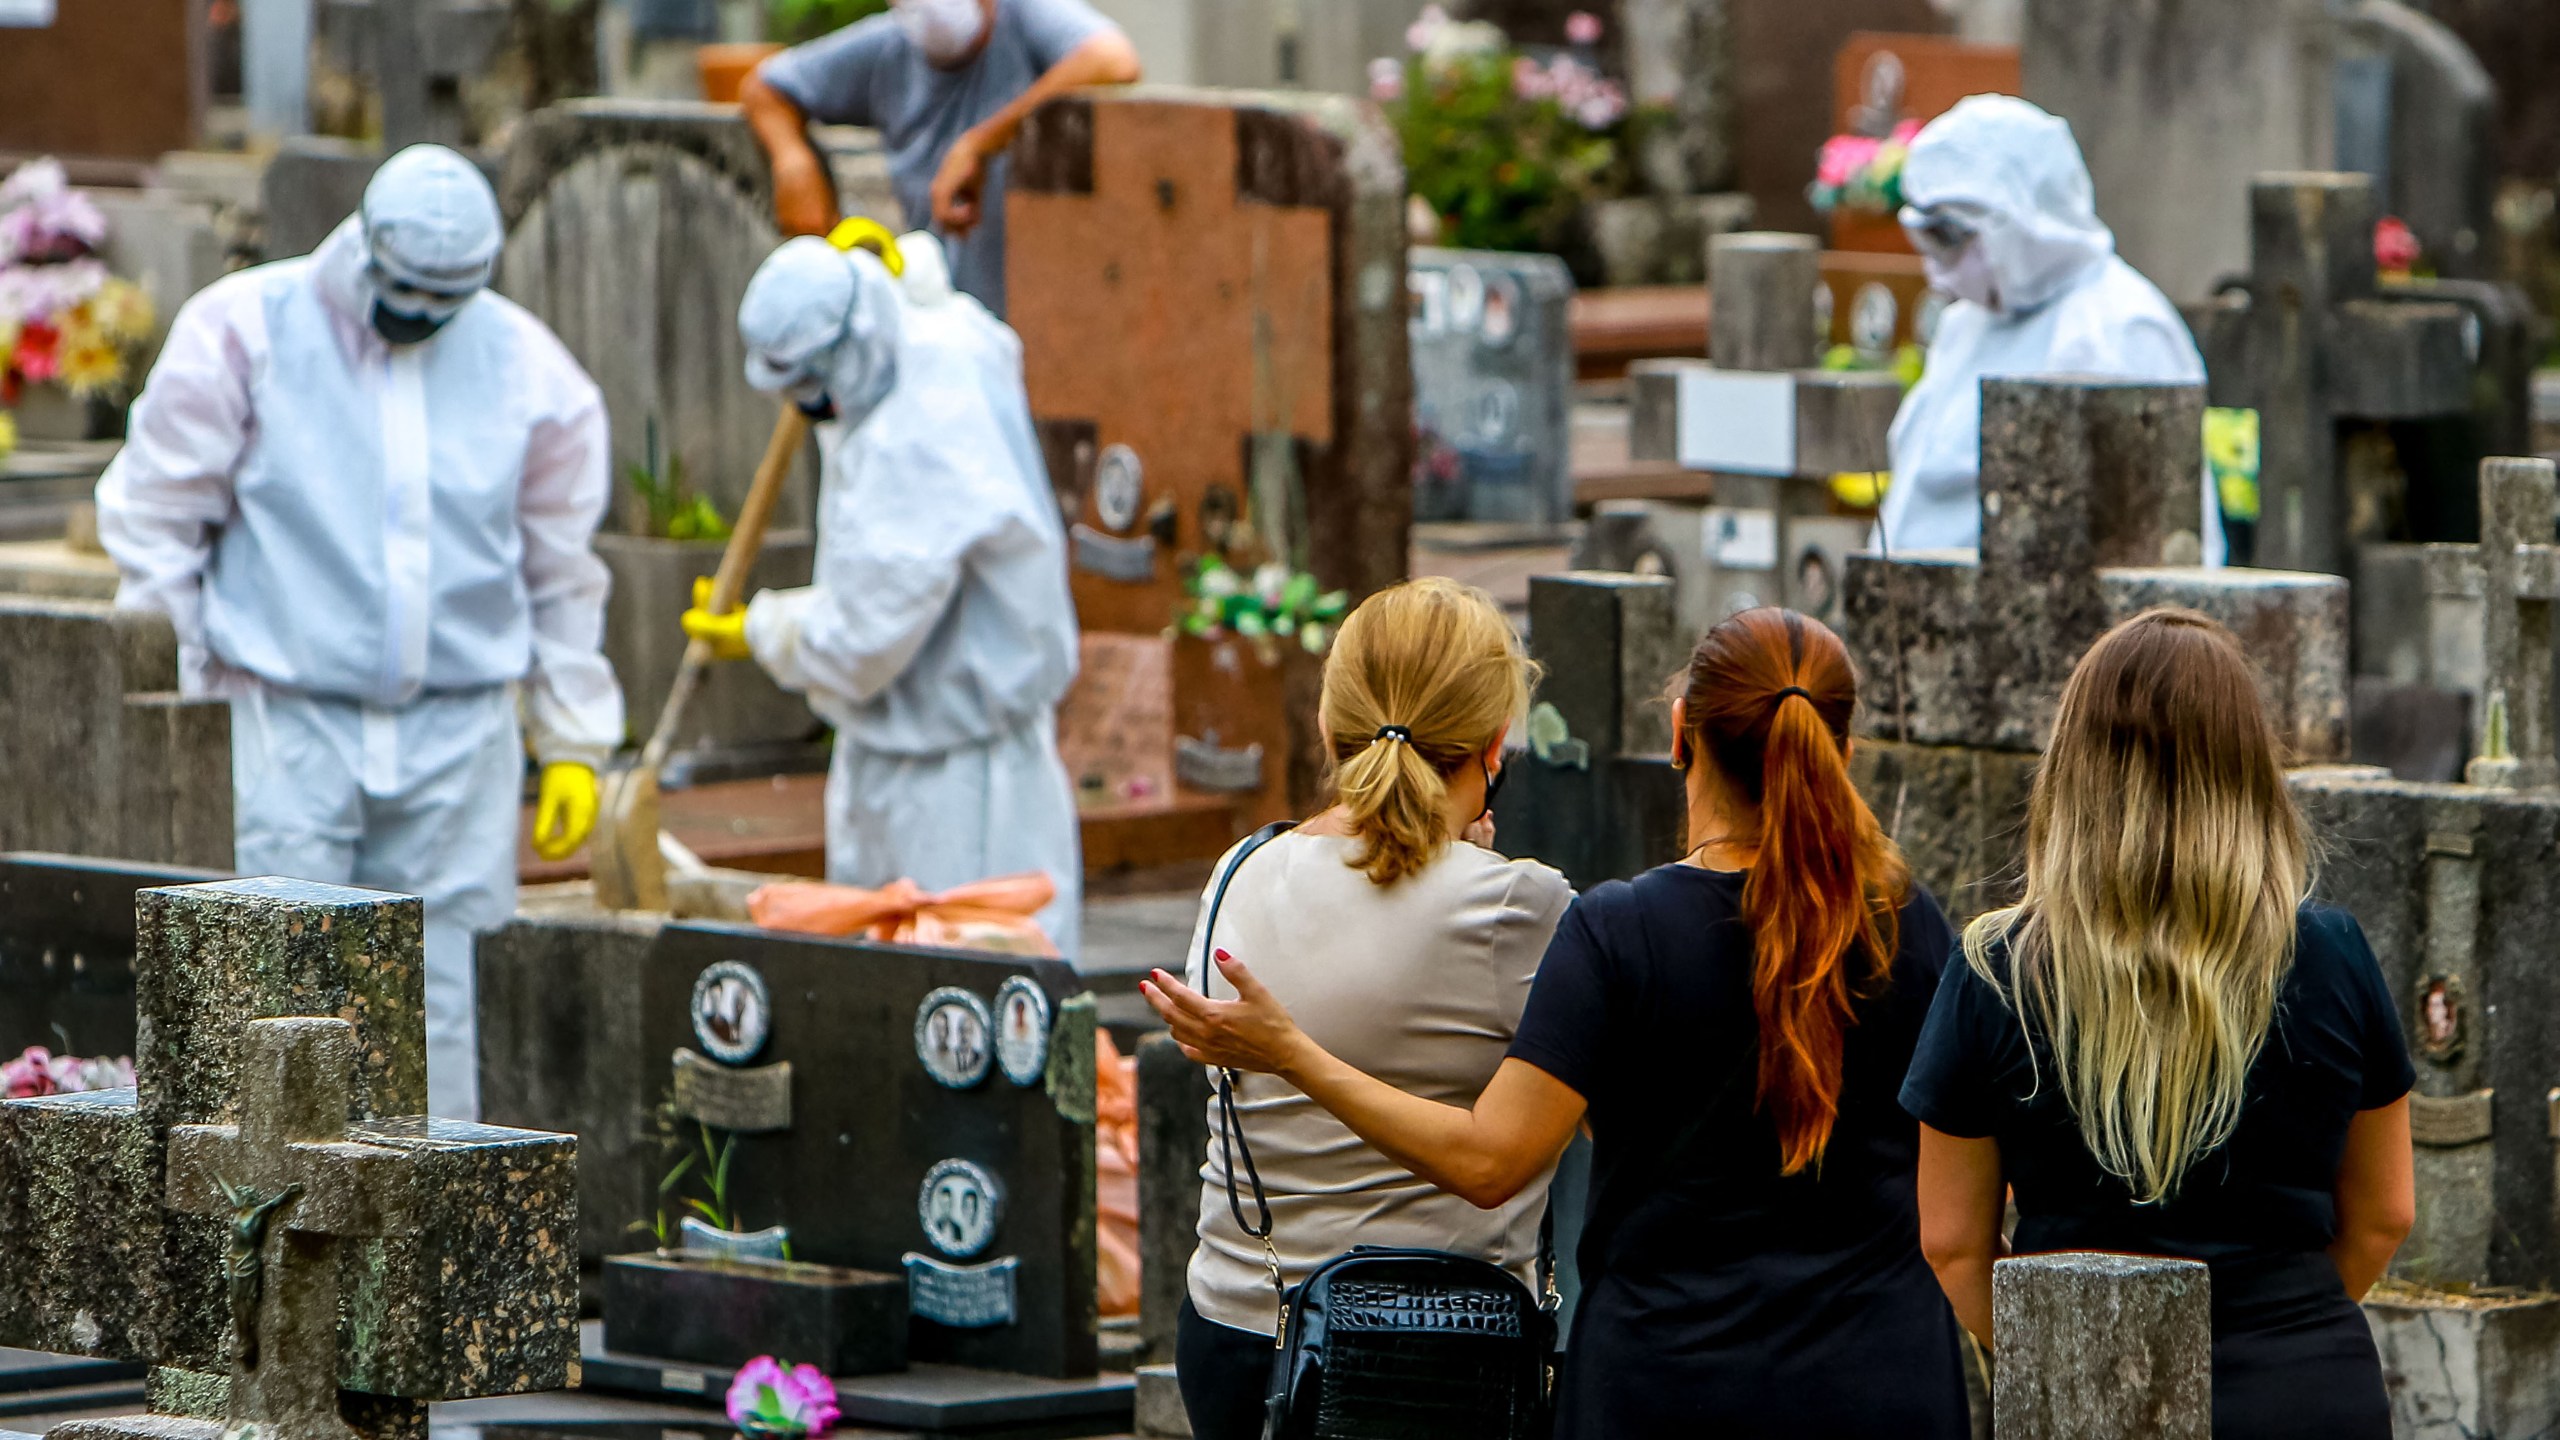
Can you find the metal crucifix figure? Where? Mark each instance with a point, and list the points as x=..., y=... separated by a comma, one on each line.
x=245, y=1266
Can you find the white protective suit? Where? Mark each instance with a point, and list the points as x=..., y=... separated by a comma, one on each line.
x=370, y=550
x=939, y=636
x=2067, y=305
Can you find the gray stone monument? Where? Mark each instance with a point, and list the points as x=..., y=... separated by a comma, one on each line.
x=2503, y=590
x=2312, y=342
x=2088, y=516
x=2102, y=1347
x=1492, y=386
x=1767, y=428
x=266, y=1220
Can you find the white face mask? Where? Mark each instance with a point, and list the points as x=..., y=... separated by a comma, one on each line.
x=945, y=30
x=1966, y=274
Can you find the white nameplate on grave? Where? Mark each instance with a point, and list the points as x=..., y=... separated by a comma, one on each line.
x=1742, y=421
x=26, y=14
x=964, y=1297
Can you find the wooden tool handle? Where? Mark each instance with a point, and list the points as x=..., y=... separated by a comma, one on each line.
x=729, y=583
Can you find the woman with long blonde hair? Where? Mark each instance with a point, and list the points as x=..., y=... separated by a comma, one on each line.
x=1406, y=945
x=1734, y=1027
x=2165, y=1048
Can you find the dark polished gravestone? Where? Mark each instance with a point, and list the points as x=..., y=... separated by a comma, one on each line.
x=814, y=1059
x=66, y=951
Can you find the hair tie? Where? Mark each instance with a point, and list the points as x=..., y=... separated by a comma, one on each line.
x=1392, y=732
x=1781, y=697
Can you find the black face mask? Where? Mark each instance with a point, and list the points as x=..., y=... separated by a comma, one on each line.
x=1492, y=784
x=402, y=329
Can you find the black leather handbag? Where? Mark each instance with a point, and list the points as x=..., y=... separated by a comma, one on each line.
x=1393, y=1344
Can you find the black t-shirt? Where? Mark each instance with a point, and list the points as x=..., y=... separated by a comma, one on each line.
x=2335, y=1048
x=1714, y=1288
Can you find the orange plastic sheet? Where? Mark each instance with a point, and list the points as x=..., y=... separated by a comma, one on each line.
x=982, y=915
x=1115, y=1147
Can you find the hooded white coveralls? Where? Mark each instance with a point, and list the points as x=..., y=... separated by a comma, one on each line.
x=2068, y=305
x=939, y=636
x=368, y=549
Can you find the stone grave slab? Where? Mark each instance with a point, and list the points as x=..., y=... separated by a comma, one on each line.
x=365, y=1260
x=1493, y=386
x=98, y=754
x=1252, y=395
x=2468, y=1365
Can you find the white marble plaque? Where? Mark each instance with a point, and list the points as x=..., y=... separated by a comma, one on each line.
x=1743, y=421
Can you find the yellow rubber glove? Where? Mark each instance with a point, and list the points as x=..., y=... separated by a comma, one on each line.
x=567, y=810
x=727, y=633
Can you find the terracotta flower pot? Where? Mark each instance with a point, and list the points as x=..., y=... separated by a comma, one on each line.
x=725, y=68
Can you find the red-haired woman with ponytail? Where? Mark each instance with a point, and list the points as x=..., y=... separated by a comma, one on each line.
x=1735, y=1028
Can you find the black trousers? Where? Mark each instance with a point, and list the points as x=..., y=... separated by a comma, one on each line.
x=1225, y=1374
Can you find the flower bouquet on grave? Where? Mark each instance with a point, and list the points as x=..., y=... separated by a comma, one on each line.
x=1862, y=173
x=1274, y=604
x=1506, y=144
x=2397, y=252
x=767, y=1400
x=64, y=320
x=40, y=1072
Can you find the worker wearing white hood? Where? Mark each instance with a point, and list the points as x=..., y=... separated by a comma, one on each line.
x=2000, y=208
x=938, y=635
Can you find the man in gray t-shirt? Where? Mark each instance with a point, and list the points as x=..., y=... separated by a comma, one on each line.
x=947, y=83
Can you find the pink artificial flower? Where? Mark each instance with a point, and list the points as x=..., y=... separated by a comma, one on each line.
x=1530, y=81
x=768, y=1400
x=28, y=1076
x=1905, y=133
x=1844, y=158
x=1386, y=80
x=2395, y=246
x=1418, y=35
x=1582, y=28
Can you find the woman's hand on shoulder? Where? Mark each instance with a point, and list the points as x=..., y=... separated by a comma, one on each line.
x=1252, y=1032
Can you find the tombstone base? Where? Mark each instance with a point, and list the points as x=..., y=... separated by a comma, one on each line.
x=845, y=1322
x=926, y=1398
x=2469, y=1366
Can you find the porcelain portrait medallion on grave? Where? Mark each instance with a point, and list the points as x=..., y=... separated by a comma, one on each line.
x=954, y=1037
x=959, y=1207
x=1022, y=1030
x=732, y=1012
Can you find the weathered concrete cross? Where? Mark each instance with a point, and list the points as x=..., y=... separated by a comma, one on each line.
x=121, y=1240
x=291, y=1186
x=2315, y=342
x=2513, y=578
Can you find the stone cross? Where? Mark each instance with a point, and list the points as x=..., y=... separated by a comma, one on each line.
x=2102, y=1347
x=2089, y=516
x=465, y=1236
x=418, y=53
x=2512, y=578
x=2314, y=342
x=291, y=1187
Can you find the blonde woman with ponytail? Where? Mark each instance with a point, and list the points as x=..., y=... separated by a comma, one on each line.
x=1733, y=1027
x=1405, y=944
x=2164, y=1048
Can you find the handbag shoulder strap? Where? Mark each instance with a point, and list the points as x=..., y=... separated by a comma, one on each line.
x=1230, y=1132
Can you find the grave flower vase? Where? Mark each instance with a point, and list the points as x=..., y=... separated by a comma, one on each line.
x=713, y=1310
